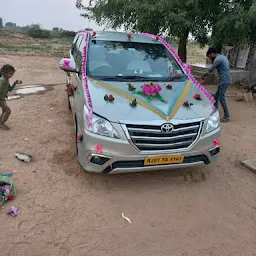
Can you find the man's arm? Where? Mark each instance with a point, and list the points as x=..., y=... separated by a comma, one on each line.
x=215, y=64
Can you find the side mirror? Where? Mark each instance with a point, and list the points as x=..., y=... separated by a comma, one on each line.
x=68, y=65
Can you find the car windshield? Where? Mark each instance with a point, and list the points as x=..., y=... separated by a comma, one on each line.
x=111, y=60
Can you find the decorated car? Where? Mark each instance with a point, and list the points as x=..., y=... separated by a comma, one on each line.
x=136, y=106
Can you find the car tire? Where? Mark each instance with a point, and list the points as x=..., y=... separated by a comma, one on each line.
x=69, y=106
x=76, y=134
x=253, y=88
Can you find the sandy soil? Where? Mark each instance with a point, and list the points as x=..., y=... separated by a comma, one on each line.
x=67, y=212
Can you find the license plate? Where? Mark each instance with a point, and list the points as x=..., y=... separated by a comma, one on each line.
x=158, y=160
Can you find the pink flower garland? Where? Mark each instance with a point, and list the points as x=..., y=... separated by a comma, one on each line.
x=151, y=89
x=185, y=67
x=85, y=79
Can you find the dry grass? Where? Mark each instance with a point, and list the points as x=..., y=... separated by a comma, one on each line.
x=13, y=43
x=196, y=54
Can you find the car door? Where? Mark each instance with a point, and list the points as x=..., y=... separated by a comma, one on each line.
x=78, y=81
x=71, y=77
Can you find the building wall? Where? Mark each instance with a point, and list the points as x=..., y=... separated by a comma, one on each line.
x=232, y=54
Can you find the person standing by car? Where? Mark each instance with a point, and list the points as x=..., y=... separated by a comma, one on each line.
x=221, y=63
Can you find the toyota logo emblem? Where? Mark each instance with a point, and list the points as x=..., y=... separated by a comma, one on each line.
x=167, y=128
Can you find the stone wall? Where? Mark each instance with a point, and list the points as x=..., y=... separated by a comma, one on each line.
x=232, y=55
x=251, y=54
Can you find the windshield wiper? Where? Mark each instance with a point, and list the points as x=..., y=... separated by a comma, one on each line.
x=175, y=78
x=118, y=78
x=141, y=78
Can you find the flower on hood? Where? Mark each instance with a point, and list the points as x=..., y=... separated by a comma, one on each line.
x=109, y=98
x=187, y=104
x=169, y=86
x=197, y=96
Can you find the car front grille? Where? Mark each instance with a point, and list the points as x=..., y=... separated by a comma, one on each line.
x=151, y=138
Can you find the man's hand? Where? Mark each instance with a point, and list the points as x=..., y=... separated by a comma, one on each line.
x=18, y=82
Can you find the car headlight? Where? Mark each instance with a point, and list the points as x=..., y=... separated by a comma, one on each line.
x=213, y=122
x=99, y=125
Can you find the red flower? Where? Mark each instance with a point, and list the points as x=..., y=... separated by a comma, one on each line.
x=157, y=38
x=187, y=104
x=10, y=197
x=94, y=33
x=111, y=97
x=169, y=86
x=197, y=96
x=79, y=137
x=131, y=87
x=129, y=36
x=216, y=142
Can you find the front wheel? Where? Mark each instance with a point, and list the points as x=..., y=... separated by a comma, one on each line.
x=76, y=134
x=69, y=106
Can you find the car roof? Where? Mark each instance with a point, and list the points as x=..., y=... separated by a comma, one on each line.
x=122, y=37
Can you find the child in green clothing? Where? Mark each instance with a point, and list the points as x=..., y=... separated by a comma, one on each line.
x=6, y=72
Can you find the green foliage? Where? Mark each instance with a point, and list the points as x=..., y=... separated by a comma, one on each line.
x=1, y=22
x=236, y=24
x=229, y=21
x=172, y=18
x=65, y=33
x=35, y=31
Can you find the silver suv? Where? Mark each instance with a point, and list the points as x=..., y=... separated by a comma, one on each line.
x=136, y=106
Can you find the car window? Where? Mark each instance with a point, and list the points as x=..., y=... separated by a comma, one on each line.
x=74, y=44
x=79, y=54
x=111, y=59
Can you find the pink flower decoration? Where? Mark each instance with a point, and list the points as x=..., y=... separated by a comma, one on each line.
x=158, y=88
x=98, y=149
x=66, y=64
x=85, y=80
x=148, y=90
x=216, y=142
x=151, y=89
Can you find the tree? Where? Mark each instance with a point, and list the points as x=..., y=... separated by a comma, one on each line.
x=10, y=25
x=176, y=18
x=236, y=24
x=1, y=22
x=229, y=21
x=35, y=31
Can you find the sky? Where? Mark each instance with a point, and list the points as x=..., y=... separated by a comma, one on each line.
x=47, y=13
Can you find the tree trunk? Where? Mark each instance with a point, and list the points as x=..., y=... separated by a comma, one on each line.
x=182, y=51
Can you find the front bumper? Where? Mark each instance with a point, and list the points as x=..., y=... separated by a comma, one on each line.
x=120, y=155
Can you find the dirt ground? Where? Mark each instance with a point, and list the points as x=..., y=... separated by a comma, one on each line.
x=68, y=212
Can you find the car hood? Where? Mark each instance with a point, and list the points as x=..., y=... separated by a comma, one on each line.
x=121, y=110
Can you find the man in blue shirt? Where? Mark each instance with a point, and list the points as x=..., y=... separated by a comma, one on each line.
x=221, y=63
